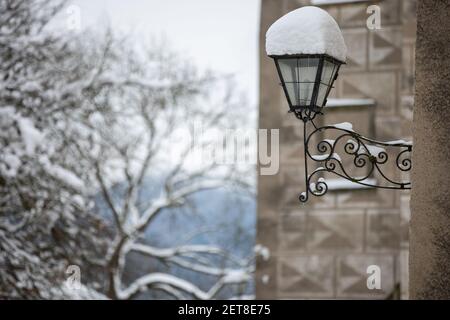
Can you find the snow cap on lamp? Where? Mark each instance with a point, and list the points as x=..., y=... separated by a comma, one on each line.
x=307, y=30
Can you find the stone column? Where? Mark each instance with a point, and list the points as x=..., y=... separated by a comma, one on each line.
x=430, y=201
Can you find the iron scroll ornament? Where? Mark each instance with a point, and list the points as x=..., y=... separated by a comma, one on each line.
x=367, y=153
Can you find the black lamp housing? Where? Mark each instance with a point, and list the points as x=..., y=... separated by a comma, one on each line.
x=307, y=80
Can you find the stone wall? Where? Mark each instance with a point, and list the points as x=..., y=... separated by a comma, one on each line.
x=323, y=248
x=430, y=201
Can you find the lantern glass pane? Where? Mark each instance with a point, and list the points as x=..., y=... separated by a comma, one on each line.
x=288, y=68
x=292, y=92
x=298, y=75
x=307, y=76
x=329, y=70
x=323, y=89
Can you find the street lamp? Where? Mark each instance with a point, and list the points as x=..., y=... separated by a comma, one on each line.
x=308, y=50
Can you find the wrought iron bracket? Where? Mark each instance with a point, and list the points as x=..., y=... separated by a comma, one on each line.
x=365, y=152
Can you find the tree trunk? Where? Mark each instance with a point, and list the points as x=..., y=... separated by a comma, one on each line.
x=430, y=198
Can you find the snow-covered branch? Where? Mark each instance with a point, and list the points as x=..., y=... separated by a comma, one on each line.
x=187, y=257
x=158, y=279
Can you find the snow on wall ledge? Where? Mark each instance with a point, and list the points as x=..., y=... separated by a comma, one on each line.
x=308, y=30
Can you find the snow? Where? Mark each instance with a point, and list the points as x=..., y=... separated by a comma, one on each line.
x=31, y=86
x=337, y=157
x=307, y=30
x=374, y=150
x=67, y=177
x=236, y=276
x=63, y=175
x=322, y=2
x=337, y=103
x=169, y=252
x=263, y=251
x=163, y=278
x=13, y=163
x=265, y=279
x=23, y=139
x=176, y=255
x=343, y=184
x=81, y=293
x=344, y=126
x=321, y=157
x=31, y=136
x=394, y=142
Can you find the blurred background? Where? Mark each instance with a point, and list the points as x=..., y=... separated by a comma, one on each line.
x=110, y=114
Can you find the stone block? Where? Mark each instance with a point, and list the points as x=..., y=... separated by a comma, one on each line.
x=293, y=230
x=306, y=276
x=352, y=276
x=385, y=48
x=382, y=231
x=340, y=230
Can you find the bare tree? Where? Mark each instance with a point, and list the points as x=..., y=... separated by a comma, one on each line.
x=144, y=104
x=83, y=116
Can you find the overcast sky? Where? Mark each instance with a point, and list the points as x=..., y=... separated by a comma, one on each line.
x=219, y=34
